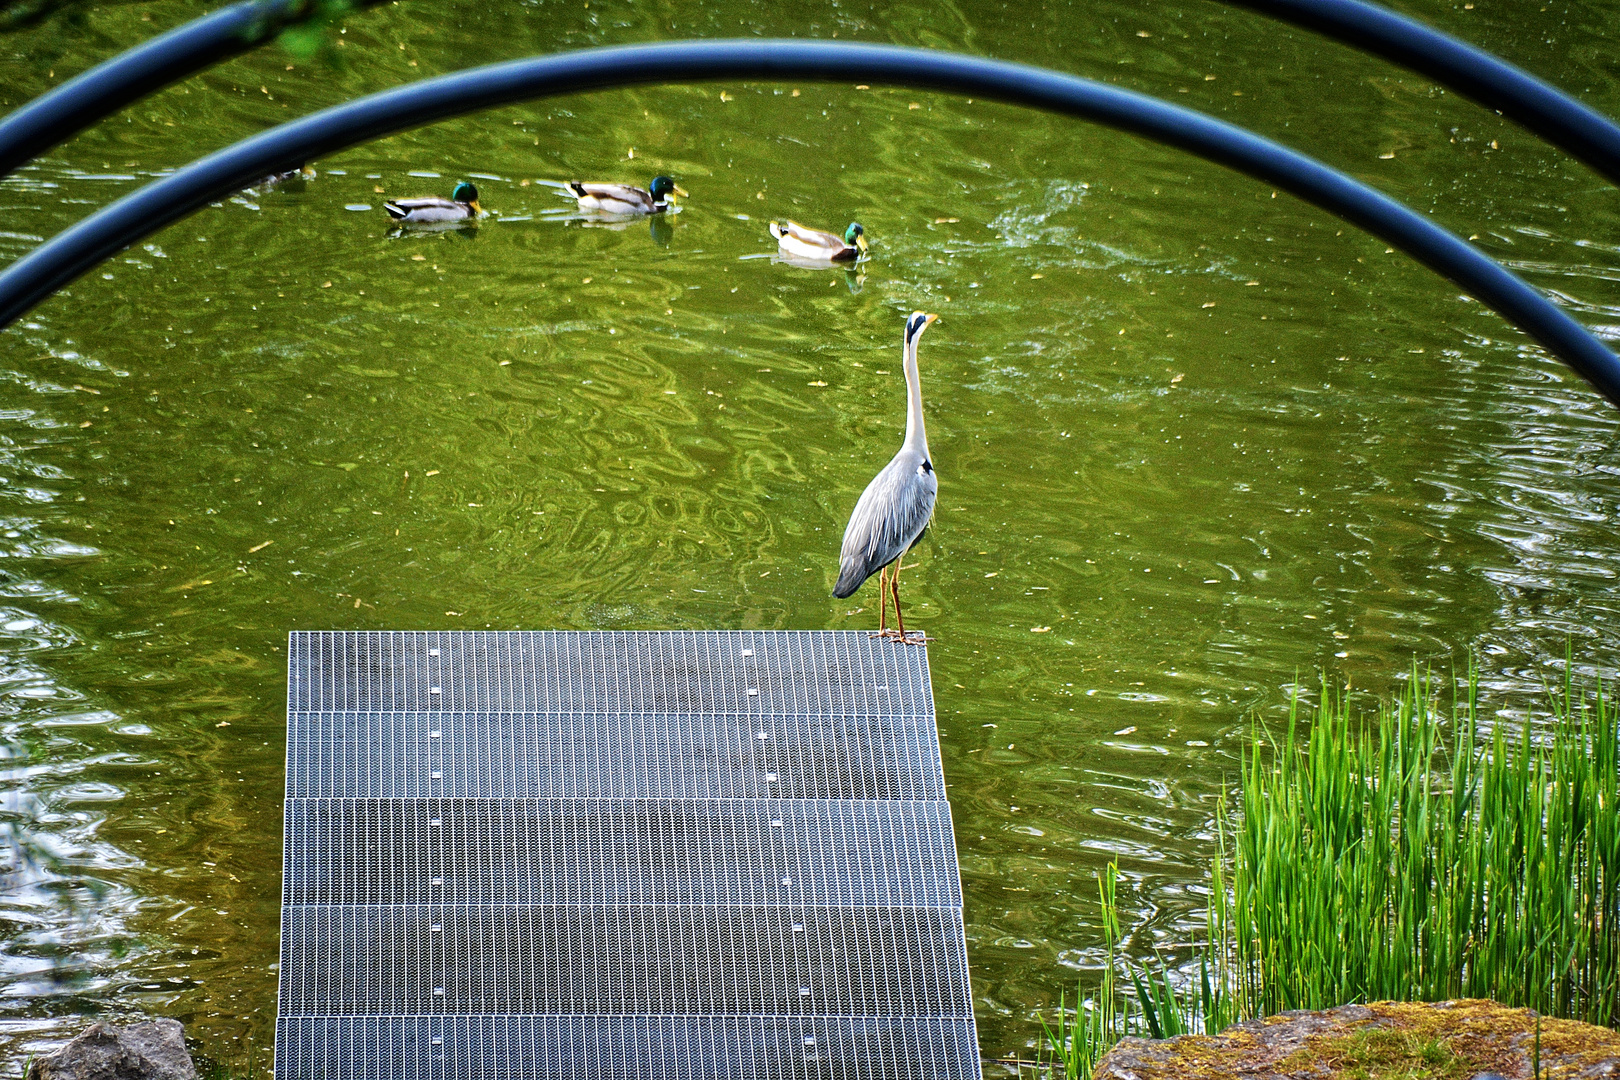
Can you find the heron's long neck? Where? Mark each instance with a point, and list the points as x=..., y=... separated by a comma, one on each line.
x=916, y=437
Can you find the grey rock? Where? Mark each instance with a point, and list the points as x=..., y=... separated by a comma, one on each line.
x=1492, y=1041
x=150, y=1051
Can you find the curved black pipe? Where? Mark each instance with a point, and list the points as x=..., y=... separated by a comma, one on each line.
x=60, y=113
x=1544, y=110
x=72, y=252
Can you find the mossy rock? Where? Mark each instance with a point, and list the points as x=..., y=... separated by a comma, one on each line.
x=1387, y=1040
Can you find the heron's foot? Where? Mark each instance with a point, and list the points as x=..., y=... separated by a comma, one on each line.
x=910, y=637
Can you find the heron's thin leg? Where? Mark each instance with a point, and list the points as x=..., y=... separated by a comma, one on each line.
x=894, y=584
x=883, y=600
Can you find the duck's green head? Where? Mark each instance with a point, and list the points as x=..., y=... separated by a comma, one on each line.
x=855, y=236
x=466, y=194
x=662, y=188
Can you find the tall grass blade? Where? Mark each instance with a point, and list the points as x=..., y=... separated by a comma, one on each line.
x=1400, y=860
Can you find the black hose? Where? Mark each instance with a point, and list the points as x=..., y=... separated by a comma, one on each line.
x=59, y=114
x=137, y=215
x=1546, y=111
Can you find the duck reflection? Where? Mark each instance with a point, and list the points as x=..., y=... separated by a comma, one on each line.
x=854, y=273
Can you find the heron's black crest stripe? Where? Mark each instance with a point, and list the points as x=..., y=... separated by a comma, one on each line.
x=927, y=466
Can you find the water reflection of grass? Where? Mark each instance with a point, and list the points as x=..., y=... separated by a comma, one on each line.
x=210, y=1067
x=1403, y=858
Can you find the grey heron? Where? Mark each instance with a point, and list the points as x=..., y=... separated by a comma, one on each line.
x=896, y=506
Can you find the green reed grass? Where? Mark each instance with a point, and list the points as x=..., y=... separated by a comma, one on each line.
x=1397, y=857
x=1074, y=1044
x=1407, y=861
x=1155, y=1008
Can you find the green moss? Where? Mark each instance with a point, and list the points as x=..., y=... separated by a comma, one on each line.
x=1385, y=1040
x=1386, y=1054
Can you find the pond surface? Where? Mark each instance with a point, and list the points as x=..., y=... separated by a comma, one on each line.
x=1195, y=439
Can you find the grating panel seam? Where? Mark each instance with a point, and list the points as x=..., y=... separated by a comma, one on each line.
x=419, y=669
x=381, y=754
x=721, y=851
x=753, y=1048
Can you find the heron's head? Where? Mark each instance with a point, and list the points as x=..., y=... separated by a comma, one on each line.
x=465, y=193
x=855, y=236
x=662, y=187
x=916, y=324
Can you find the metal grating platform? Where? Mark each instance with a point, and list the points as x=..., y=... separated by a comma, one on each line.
x=618, y=856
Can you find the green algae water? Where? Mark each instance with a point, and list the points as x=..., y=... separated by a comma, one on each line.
x=1195, y=439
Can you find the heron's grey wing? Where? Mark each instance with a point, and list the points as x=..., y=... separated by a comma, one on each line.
x=889, y=516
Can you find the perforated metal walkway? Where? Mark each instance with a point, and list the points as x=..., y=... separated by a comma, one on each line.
x=618, y=856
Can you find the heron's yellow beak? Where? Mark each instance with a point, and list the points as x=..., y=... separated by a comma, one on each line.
x=681, y=192
x=932, y=319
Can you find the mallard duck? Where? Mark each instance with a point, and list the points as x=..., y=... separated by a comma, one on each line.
x=802, y=243
x=462, y=204
x=303, y=172
x=624, y=198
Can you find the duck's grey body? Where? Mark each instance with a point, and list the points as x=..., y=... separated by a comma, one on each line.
x=303, y=172
x=624, y=199
x=897, y=505
x=462, y=205
x=428, y=210
x=812, y=245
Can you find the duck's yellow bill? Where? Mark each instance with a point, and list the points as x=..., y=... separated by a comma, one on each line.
x=681, y=192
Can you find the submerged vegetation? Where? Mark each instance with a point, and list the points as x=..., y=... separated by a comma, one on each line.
x=1406, y=858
